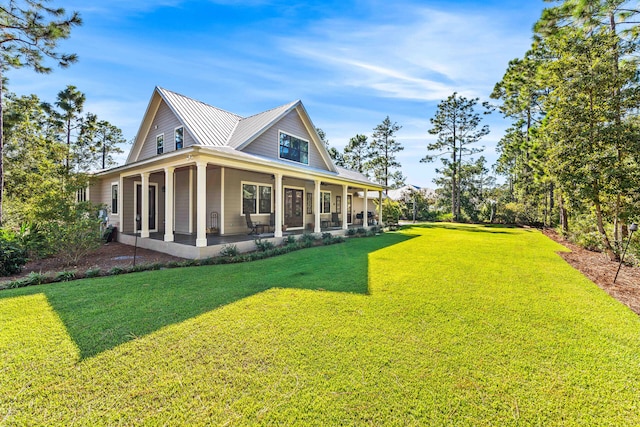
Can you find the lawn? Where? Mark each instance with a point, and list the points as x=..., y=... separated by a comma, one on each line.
x=434, y=325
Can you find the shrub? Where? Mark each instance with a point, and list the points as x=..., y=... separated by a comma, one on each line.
x=361, y=231
x=93, y=272
x=65, y=276
x=290, y=240
x=114, y=271
x=13, y=255
x=229, y=251
x=263, y=245
x=351, y=232
x=307, y=240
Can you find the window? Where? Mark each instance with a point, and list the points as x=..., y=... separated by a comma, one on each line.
x=295, y=149
x=309, y=203
x=325, y=202
x=179, y=137
x=338, y=204
x=256, y=198
x=160, y=143
x=114, y=198
x=81, y=195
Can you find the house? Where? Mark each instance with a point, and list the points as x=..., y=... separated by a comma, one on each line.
x=195, y=171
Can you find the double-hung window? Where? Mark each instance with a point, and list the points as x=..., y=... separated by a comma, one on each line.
x=179, y=137
x=160, y=143
x=325, y=202
x=256, y=198
x=294, y=149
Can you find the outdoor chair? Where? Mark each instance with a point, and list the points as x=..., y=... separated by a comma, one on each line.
x=253, y=227
x=335, y=220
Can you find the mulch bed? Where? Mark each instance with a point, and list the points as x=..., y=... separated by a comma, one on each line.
x=109, y=255
x=600, y=270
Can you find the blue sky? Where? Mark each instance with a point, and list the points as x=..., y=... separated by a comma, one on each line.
x=351, y=63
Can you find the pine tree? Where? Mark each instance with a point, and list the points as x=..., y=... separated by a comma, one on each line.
x=29, y=33
x=382, y=151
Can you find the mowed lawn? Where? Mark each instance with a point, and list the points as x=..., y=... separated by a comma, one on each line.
x=435, y=325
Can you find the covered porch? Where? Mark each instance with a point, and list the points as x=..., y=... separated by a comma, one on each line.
x=207, y=201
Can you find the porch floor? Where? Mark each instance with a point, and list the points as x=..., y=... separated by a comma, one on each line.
x=214, y=239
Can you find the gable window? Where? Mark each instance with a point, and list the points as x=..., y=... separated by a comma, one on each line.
x=160, y=143
x=114, y=198
x=179, y=137
x=294, y=149
x=256, y=198
x=325, y=202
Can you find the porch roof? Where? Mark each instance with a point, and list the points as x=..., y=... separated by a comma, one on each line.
x=227, y=156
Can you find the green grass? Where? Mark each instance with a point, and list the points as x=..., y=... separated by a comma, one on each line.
x=462, y=325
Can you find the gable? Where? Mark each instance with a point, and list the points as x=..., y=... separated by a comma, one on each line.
x=268, y=143
x=164, y=123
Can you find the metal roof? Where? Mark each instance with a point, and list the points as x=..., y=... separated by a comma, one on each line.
x=251, y=127
x=209, y=125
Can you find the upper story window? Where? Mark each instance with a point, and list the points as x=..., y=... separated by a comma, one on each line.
x=295, y=149
x=179, y=137
x=160, y=143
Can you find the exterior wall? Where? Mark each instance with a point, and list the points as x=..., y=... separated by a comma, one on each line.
x=166, y=123
x=128, y=208
x=213, y=196
x=181, y=196
x=158, y=178
x=234, y=220
x=268, y=144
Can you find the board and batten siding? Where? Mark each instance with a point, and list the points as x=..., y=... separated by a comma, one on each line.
x=164, y=122
x=181, y=195
x=268, y=144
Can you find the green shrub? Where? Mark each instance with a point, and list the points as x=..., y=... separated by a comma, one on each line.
x=351, y=232
x=93, y=272
x=114, y=271
x=361, y=231
x=263, y=245
x=229, y=251
x=290, y=240
x=13, y=255
x=65, y=276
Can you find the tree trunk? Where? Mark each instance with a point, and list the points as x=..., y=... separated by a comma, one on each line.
x=564, y=218
x=603, y=234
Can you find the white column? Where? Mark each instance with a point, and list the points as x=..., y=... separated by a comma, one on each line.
x=168, y=204
x=279, y=208
x=380, y=209
x=316, y=197
x=344, y=208
x=144, y=214
x=221, y=225
x=365, y=216
x=191, y=203
x=121, y=204
x=201, y=201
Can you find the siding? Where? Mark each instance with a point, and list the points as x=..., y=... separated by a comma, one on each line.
x=128, y=214
x=268, y=143
x=181, y=195
x=234, y=221
x=166, y=122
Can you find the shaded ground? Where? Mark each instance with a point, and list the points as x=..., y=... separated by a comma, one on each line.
x=109, y=255
x=597, y=267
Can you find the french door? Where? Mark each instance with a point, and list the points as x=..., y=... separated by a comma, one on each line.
x=293, y=207
x=152, y=207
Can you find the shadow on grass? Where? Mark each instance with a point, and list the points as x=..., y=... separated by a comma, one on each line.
x=103, y=313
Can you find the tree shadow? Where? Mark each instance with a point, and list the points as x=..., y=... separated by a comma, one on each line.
x=102, y=313
x=473, y=228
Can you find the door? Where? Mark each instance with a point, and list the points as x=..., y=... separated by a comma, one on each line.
x=293, y=207
x=152, y=207
x=349, y=209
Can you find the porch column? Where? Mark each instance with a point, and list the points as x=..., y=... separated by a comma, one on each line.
x=380, y=209
x=221, y=225
x=121, y=204
x=344, y=208
x=144, y=214
x=201, y=209
x=316, y=192
x=168, y=204
x=365, y=212
x=278, y=214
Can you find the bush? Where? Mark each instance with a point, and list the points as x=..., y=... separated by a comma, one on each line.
x=263, y=245
x=229, y=251
x=13, y=256
x=307, y=240
x=114, y=271
x=93, y=272
x=65, y=276
x=351, y=232
x=290, y=240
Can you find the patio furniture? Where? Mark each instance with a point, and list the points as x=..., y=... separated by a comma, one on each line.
x=335, y=220
x=252, y=226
